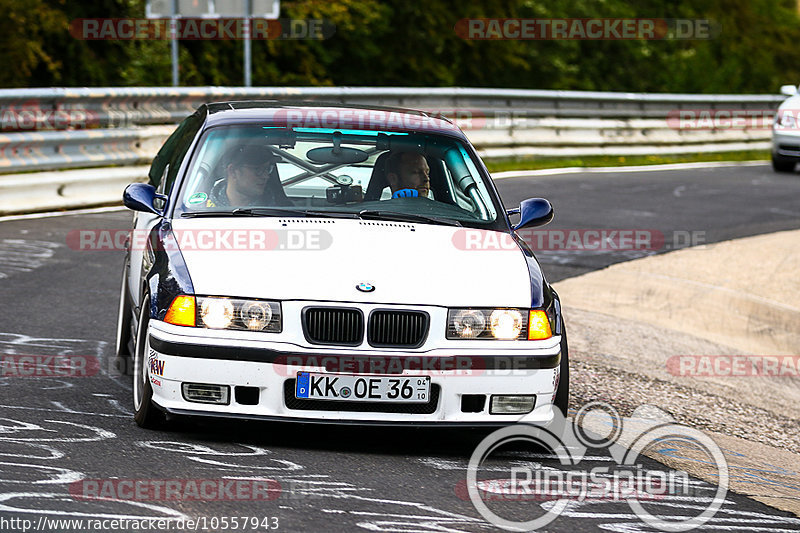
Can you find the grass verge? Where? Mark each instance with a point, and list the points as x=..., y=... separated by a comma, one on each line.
x=617, y=161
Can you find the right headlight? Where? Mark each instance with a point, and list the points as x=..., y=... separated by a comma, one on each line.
x=785, y=120
x=236, y=313
x=498, y=324
x=215, y=312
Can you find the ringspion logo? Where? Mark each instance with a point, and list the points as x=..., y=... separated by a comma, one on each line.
x=561, y=478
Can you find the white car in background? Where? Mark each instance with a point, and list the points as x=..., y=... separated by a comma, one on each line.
x=786, y=132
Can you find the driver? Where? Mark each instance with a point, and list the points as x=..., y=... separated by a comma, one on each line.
x=251, y=179
x=408, y=174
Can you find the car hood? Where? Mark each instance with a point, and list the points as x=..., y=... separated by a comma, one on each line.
x=793, y=102
x=325, y=259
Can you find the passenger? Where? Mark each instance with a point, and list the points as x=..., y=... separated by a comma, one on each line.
x=408, y=174
x=251, y=180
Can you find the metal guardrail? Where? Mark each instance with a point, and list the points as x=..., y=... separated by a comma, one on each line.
x=499, y=120
x=126, y=107
x=63, y=128
x=57, y=150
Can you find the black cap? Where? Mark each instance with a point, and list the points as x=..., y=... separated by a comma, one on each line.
x=253, y=155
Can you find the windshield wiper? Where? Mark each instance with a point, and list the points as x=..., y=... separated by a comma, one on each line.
x=333, y=214
x=267, y=212
x=373, y=214
x=376, y=214
x=239, y=212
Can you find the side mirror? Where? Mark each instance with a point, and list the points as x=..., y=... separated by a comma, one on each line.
x=788, y=90
x=533, y=212
x=142, y=197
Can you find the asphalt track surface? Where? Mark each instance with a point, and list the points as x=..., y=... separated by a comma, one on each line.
x=55, y=431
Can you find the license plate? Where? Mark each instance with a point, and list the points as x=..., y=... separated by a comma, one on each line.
x=345, y=387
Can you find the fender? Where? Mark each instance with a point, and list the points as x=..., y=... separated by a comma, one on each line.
x=542, y=294
x=169, y=275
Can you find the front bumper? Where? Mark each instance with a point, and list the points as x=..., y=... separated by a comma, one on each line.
x=786, y=145
x=187, y=355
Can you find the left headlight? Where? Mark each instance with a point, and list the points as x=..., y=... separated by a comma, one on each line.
x=498, y=324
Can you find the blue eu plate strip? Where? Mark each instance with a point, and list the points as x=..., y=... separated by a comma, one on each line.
x=301, y=388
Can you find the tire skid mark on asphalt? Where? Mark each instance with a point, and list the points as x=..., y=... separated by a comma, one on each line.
x=63, y=384
x=454, y=464
x=437, y=521
x=285, y=465
x=64, y=411
x=324, y=488
x=14, y=343
x=22, y=255
x=99, y=433
x=55, y=453
x=62, y=475
x=732, y=522
x=195, y=450
x=113, y=402
x=61, y=408
x=199, y=449
x=569, y=257
x=727, y=518
x=16, y=432
x=727, y=514
x=167, y=512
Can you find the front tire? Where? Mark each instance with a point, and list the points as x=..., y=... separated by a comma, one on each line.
x=561, y=401
x=146, y=414
x=122, y=353
x=782, y=164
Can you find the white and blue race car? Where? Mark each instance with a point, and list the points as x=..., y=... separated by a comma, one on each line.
x=334, y=264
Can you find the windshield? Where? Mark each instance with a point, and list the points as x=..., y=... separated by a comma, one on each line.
x=318, y=172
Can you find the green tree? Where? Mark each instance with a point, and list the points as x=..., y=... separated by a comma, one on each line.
x=397, y=42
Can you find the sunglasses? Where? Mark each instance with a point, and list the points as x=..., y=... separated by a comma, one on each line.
x=261, y=170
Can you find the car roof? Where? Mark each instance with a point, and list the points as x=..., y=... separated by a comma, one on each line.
x=327, y=116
